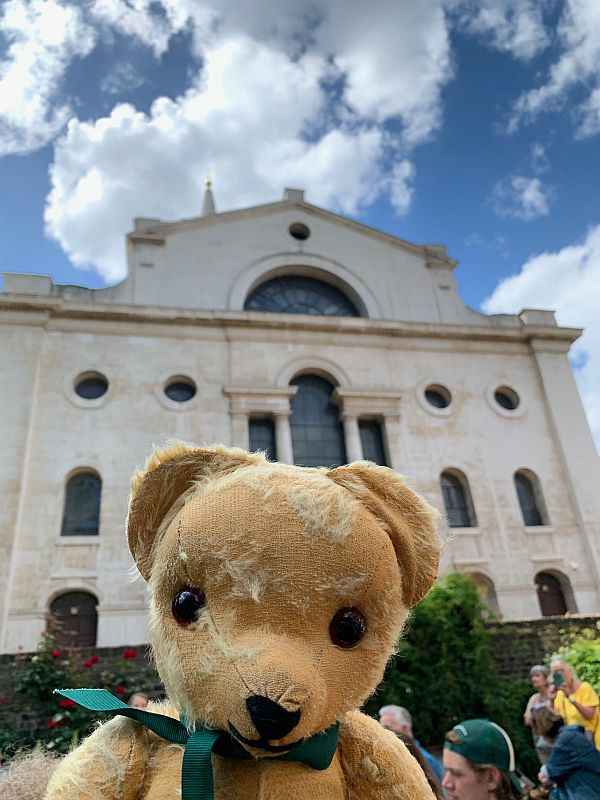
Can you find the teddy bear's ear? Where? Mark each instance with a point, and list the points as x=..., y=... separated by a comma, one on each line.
x=409, y=520
x=168, y=473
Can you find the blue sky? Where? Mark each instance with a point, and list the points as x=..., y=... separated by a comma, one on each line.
x=475, y=124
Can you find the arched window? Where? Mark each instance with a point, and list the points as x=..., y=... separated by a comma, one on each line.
x=457, y=500
x=530, y=498
x=317, y=434
x=75, y=613
x=486, y=591
x=81, y=513
x=297, y=294
x=554, y=593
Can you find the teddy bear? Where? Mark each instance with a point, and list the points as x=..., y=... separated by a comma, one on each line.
x=277, y=595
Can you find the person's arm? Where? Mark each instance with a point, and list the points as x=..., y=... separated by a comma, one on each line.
x=587, y=702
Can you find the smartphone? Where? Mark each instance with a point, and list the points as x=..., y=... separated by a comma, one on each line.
x=558, y=680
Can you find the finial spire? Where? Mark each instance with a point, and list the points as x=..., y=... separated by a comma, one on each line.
x=208, y=204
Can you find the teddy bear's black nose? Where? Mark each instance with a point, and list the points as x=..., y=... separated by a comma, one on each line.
x=270, y=719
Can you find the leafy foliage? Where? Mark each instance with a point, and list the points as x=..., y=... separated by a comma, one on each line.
x=584, y=655
x=445, y=672
x=33, y=715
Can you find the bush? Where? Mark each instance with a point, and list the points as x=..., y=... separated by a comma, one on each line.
x=445, y=671
x=32, y=715
x=584, y=655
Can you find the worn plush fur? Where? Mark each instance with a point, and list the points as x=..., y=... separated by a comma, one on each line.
x=277, y=550
x=26, y=777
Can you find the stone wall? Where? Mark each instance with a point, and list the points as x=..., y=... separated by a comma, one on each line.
x=518, y=645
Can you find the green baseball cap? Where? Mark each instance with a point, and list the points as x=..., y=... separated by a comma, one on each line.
x=484, y=742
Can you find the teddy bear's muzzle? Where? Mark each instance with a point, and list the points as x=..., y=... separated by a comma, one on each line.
x=271, y=720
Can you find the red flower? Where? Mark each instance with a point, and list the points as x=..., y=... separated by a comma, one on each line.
x=67, y=703
x=3, y=698
x=87, y=663
x=120, y=689
x=56, y=654
x=130, y=653
x=56, y=723
x=95, y=659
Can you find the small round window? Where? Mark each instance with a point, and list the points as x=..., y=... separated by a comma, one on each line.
x=438, y=396
x=180, y=389
x=507, y=398
x=299, y=231
x=91, y=385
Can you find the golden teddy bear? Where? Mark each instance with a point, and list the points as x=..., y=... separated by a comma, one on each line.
x=277, y=594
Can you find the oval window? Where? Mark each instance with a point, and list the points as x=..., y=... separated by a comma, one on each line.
x=91, y=385
x=180, y=390
x=299, y=231
x=506, y=398
x=438, y=396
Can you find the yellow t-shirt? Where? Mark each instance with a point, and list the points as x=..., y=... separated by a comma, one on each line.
x=585, y=696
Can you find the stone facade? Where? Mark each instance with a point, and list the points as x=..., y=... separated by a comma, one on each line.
x=180, y=313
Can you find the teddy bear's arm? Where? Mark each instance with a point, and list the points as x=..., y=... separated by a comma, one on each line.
x=376, y=764
x=109, y=765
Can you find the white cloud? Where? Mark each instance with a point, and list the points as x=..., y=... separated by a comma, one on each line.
x=540, y=162
x=237, y=120
x=43, y=37
x=513, y=26
x=301, y=97
x=567, y=281
x=521, y=198
x=577, y=66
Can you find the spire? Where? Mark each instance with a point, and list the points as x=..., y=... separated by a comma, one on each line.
x=208, y=204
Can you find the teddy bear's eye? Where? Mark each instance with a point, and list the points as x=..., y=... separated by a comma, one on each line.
x=187, y=604
x=347, y=628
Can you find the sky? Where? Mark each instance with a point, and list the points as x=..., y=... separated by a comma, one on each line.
x=473, y=123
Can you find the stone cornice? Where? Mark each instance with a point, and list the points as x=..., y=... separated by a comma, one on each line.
x=57, y=313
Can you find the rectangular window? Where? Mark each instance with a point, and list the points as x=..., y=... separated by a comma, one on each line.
x=372, y=441
x=262, y=436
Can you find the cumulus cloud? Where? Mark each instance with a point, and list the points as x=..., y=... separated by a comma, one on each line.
x=513, y=26
x=300, y=96
x=521, y=197
x=43, y=37
x=576, y=67
x=567, y=281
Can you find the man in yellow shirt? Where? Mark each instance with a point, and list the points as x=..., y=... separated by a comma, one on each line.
x=575, y=700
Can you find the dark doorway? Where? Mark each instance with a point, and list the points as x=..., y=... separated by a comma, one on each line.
x=75, y=613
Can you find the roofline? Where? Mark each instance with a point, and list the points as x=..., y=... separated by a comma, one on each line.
x=40, y=309
x=156, y=234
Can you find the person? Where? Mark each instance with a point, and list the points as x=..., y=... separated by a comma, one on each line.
x=398, y=720
x=138, y=700
x=480, y=763
x=574, y=762
x=541, y=697
x=575, y=700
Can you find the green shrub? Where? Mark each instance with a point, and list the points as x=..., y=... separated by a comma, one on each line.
x=33, y=715
x=584, y=655
x=445, y=671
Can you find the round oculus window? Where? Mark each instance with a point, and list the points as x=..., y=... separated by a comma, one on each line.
x=299, y=231
x=91, y=385
x=180, y=390
x=506, y=398
x=438, y=396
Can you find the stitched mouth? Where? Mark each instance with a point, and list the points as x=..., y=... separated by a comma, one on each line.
x=262, y=744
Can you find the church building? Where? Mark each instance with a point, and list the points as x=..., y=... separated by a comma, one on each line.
x=294, y=330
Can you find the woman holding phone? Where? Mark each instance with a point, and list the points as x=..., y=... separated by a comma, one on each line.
x=575, y=700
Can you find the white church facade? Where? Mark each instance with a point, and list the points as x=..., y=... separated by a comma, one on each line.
x=288, y=328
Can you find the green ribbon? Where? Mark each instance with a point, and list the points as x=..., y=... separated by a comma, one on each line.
x=197, y=778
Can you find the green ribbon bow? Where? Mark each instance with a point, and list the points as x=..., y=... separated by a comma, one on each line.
x=196, y=772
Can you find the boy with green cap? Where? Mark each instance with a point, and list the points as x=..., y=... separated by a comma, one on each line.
x=480, y=763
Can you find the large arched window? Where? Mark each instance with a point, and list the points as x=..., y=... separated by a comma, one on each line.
x=486, y=591
x=297, y=294
x=530, y=498
x=75, y=613
x=554, y=593
x=317, y=434
x=457, y=499
x=81, y=513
